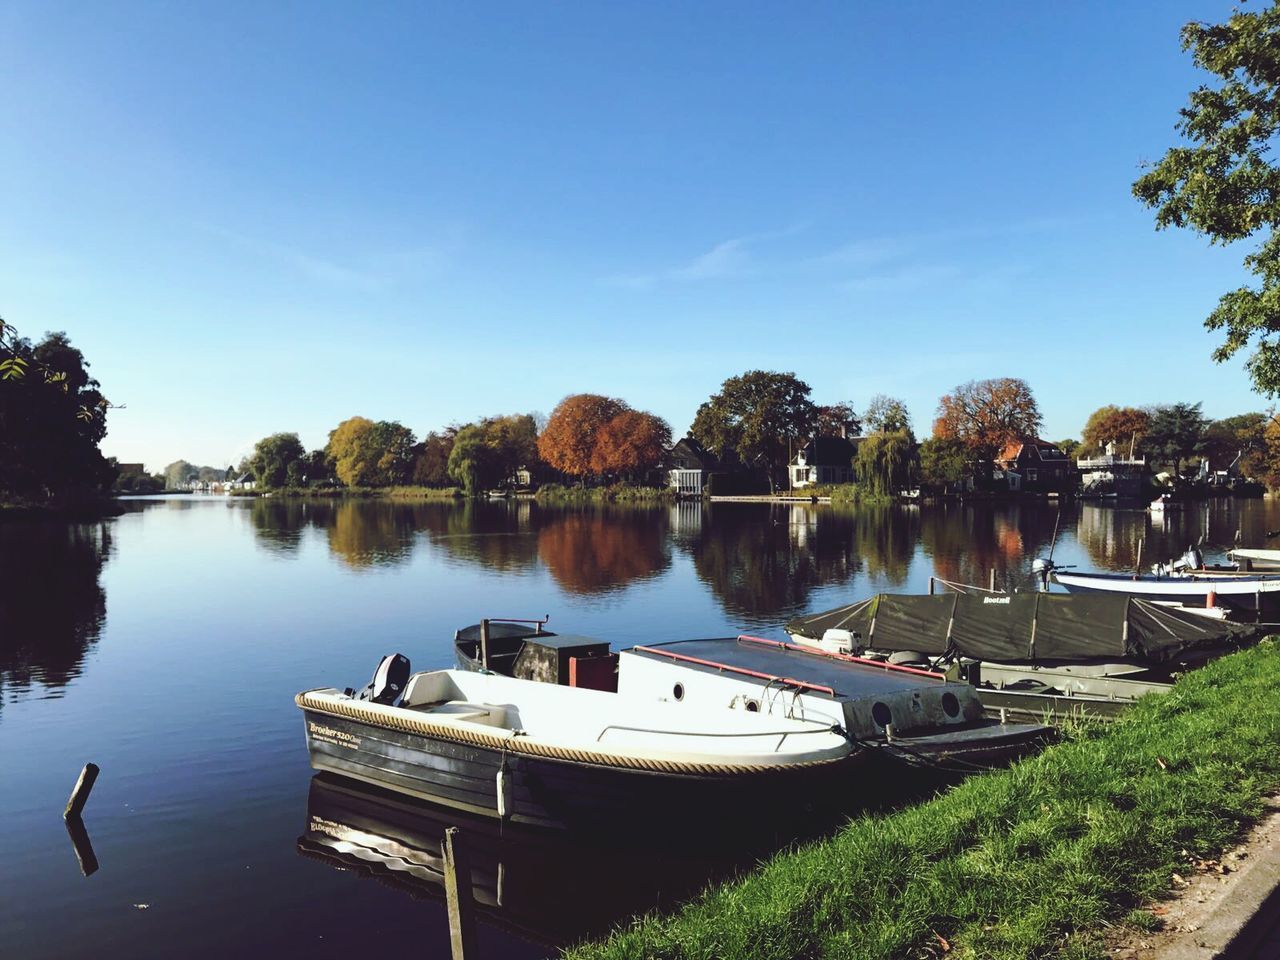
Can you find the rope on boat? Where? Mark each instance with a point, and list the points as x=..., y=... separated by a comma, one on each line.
x=513, y=743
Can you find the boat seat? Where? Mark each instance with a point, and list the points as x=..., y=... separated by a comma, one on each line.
x=471, y=712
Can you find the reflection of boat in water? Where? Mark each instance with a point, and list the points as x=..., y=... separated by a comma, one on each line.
x=1038, y=649
x=902, y=714
x=548, y=889
x=568, y=757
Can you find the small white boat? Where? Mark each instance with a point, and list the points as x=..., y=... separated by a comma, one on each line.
x=1255, y=558
x=566, y=757
x=1250, y=592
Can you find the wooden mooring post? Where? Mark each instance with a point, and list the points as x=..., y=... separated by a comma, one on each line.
x=993, y=579
x=457, y=891
x=80, y=794
x=484, y=644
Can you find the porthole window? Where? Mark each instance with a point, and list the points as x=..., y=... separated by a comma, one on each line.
x=950, y=704
x=753, y=706
x=881, y=714
x=678, y=691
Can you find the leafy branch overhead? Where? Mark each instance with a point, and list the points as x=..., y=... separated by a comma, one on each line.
x=1223, y=182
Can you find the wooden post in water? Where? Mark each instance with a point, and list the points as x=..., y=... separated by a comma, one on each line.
x=484, y=644
x=80, y=794
x=931, y=586
x=457, y=891
x=1137, y=567
x=993, y=579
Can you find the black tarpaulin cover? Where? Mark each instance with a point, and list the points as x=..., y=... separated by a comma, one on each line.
x=1024, y=627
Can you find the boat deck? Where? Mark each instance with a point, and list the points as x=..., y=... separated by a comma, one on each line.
x=819, y=672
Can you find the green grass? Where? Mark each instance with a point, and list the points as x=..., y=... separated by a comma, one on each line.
x=841, y=493
x=554, y=493
x=1033, y=861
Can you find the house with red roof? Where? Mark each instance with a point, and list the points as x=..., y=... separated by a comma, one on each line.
x=1036, y=466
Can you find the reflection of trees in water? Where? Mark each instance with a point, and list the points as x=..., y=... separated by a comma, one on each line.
x=884, y=540
x=967, y=541
x=1110, y=536
x=498, y=536
x=761, y=562
x=278, y=522
x=371, y=533
x=596, y=551
x=52, y=606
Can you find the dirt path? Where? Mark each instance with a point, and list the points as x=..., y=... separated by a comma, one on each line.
x=1211, y=903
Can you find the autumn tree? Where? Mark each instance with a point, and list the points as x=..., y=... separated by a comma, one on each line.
x=431, y=458
x=1124, y=426
x=568, y=441
x=369, y=454
x=886, y=413
x=630, y=442
x=1223, y=181
x=985, y=415
x=755, y=415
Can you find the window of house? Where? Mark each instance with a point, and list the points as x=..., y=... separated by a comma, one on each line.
x=1032, y=476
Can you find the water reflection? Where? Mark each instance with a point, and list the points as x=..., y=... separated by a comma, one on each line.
x=498, y=536
x=598, y=552
x=547, y=889
x=52, y=606
x=767, y=563
x=279, y=523
x=967, y=542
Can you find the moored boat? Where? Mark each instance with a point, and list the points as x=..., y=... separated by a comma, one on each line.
x=1257, y=594
x=1255, y=558
x=566, y=757
x=908, y=716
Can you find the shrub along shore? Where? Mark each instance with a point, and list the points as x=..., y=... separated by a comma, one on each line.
x=1037, y=860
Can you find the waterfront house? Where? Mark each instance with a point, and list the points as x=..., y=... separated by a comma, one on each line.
x=1111, y=474
x=1036, y=466
x=689, y=467
x=243, y=482
x=824, y=460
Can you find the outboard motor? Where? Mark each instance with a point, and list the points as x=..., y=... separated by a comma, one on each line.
x=1193, y=559
x=835, y=640
x=388, y=680
x=1040, y=569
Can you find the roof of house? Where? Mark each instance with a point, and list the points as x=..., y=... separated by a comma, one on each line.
x=1013, y=450
x=691, y=448
x=829, y=452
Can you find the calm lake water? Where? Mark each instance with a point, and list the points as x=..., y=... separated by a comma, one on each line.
x=166, y=645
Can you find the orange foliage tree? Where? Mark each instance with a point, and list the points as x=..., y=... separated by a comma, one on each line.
x=631, y=441
x=986, y=414
x=568, y=441
x=1123, y=425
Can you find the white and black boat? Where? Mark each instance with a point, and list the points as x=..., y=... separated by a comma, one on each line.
x=568, y=757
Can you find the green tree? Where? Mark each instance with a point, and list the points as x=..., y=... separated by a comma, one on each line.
x=886, y=461
x=273, y=457
x=755, y=415
x=885, y=413
x=52, y=418
x=1242, y=435
x=1070, y=447
x=178, y=473
x=473, y=460
x=943, y=460
x=1175, y=432
x=1223, y=181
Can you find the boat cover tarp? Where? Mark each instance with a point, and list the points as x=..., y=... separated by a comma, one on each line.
x=1021, y=627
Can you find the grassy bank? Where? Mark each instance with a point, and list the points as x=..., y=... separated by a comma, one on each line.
x=844, y=493
x=71, y=511
x=388, y=493
x=555, y=494
x=1033, y=861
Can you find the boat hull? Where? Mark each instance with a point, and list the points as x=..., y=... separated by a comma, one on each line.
x=555, y=793
x=1256, y=595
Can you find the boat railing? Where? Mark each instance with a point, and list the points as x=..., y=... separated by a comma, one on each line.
x=824, y=728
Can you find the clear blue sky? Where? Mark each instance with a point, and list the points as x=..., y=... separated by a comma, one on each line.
x=259, y=217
